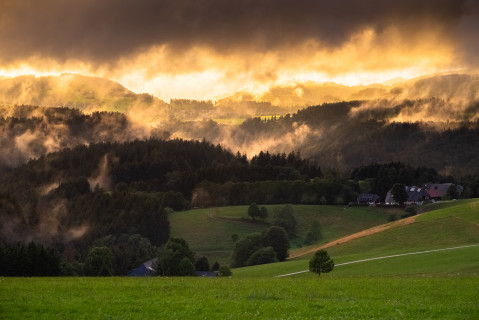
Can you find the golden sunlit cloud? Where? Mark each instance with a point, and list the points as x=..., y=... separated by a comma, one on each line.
x=204, y=74
x=221, y=49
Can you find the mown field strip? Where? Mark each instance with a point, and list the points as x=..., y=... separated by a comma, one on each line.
x=385, y=257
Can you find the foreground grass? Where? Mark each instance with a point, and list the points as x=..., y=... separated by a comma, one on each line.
x=230, y=298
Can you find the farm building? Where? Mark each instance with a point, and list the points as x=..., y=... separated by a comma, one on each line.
x=143, y=270
x=368, y=198
x=416, y=195
x=147, y=269
x=437, y=191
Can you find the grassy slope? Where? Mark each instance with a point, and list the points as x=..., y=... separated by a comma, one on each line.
x=452, y=224
x=212, y=237
x=208, y=236
x=457, y=262
x=197, y=298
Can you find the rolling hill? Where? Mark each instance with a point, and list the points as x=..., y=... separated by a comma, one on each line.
x=209, y=231
x=451, y=87
x=74, y=91
x=452, y=226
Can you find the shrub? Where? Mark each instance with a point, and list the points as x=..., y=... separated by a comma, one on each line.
x=99, y=262
x=262, y=256
x=284, y=217
x=244, y=248
x=277, y=238
x=202, y=264
x=224, y=271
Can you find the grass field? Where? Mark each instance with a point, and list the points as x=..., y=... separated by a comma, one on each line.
x=455, y=262
x=209, y=233
x=427, y=285
x=452, y=224
x=230, y=298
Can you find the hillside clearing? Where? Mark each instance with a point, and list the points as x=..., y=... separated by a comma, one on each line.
x=364, y=233
x=453, y=225
x=209, y=231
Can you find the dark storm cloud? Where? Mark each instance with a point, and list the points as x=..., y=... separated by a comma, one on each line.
x=105, y=30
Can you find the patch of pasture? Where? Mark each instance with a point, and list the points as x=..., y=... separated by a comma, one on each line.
x=231, y=298
x=209, y=231
x=457, y=261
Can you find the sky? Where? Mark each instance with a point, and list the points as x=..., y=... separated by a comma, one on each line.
x=208, y=49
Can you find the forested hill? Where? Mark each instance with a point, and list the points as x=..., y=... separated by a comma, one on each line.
x=31, y=131
x=346, y=135
x=74, y=91
x=85, y=193
x=119, y=195
x=156, y=165
x=421, y=133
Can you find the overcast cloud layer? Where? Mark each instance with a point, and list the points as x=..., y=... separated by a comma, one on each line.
x=108, y=29
x=110, y=34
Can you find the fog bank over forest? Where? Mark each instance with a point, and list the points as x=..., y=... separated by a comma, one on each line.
x=432, y=117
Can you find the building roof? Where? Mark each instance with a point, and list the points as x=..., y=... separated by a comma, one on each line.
x=368, y=197
x=439, y=190
x=414, y=194
x=144, y=269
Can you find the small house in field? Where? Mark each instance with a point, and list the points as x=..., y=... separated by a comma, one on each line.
x=143, y=270
x=415, y=195
x=438, y=191
x=368, y=199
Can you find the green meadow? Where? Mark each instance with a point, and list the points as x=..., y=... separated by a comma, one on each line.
x=209, y=231
x=447, y=225
x=237, y=298
x=428, y=269
x=438, y=262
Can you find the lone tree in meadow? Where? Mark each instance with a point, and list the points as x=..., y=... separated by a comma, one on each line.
x=253, y=211
x=321, y=263
x=399, y=193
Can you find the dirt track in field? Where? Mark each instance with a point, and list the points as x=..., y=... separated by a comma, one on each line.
x=357, y=235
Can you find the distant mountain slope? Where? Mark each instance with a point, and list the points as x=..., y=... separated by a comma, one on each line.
x=458, y=87
x=74, y=91
x=431, y=121
x=429, y=132
x=30, y=131
x=98, y=94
